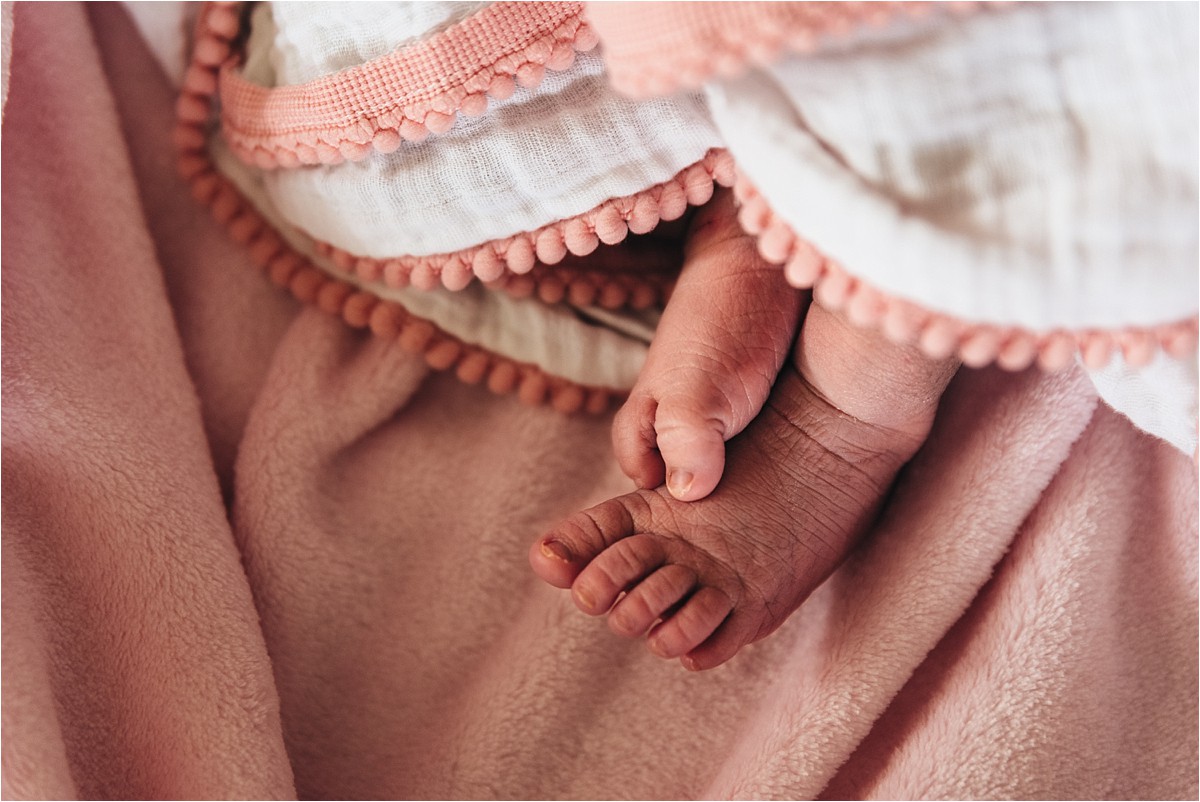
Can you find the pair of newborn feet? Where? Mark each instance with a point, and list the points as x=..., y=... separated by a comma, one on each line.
x=808, y=432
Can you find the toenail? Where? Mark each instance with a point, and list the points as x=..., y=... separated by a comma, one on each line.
x=555, y=550
x=679, y=482
x=583, y=598
x=657, y=647
x=689, y=663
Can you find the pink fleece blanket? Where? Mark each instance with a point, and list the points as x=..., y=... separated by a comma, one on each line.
x=248, y=552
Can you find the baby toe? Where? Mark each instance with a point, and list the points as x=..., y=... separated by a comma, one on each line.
x=558, y=556
x=615, y=570
x=634, y=441
x=650, y=599
x=735, y=632
x=692, y=444
x=696, y=620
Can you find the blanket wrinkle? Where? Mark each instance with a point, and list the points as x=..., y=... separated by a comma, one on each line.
x=39, y=766
x=1034, y=641
x=228, y=319
x=356, y=618
x=883, y=622
x=114, y=528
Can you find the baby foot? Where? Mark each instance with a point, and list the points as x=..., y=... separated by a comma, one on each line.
x=722, y=339
x=726, y=570
x=804, y=481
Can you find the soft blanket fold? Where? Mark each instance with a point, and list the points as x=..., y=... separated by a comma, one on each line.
x=355, y=618
x=117, y=541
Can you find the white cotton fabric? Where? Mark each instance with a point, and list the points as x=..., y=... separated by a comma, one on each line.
x=1031, y=165
x=543, y=155
x=6, y=30
x=1159, y=398
x=584, y=345
x=318, y=38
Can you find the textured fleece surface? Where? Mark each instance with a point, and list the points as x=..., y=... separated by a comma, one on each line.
x=248, y=552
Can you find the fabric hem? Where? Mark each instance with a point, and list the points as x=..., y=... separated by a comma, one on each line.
x=506, y=264
x=404, y=95
x=941, y=335
x=502, y=261
x=358, y=308
x=723, y=40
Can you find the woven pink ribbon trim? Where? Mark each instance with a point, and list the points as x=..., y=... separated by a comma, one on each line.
x=656, y=48
x=405, y=94
x=940, y=335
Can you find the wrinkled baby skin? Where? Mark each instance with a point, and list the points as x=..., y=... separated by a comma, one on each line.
x=816, y=436
x=719, y=346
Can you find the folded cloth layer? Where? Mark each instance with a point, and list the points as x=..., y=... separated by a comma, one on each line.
x=129, y=595
x=1018, y=210
x=1021, y=622
x=1010, y=183
x=542, y=155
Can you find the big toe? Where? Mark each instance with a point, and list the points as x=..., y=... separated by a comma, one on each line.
x=692, y=444
x=558, y=556
x=634, y=441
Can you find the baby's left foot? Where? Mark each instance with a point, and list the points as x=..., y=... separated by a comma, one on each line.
x=803, y=482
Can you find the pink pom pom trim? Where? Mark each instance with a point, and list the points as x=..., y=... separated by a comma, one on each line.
x=501, y=262
x=358, y=308
x=939, y=335
x=656, y=49
x=506, y=264
x=404, y=95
